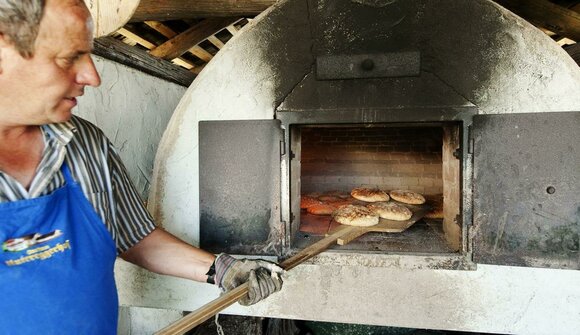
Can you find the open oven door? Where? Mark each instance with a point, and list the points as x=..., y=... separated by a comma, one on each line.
x=239, y=186
x=526, y=205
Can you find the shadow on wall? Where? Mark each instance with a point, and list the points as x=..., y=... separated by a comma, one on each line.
x=233, y=324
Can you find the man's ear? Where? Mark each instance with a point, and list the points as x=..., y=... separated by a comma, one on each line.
x=4, y=41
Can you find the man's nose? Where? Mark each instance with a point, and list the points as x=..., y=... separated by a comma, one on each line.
x=87, y=73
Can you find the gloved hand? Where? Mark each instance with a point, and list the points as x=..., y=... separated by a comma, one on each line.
x=262, y=276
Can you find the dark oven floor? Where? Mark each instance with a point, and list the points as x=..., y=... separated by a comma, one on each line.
x=425, y=236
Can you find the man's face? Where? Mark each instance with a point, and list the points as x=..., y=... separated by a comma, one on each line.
x=43, y=89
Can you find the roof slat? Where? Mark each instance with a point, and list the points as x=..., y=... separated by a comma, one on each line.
x=179, y=44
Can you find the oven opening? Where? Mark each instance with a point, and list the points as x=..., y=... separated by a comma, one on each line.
x=329, y=161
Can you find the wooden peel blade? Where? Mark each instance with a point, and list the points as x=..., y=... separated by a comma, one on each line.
x=386, y=226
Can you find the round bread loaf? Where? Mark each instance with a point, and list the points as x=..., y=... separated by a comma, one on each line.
x=354, y=215
x=306, y=201
x=321, y=209
x=328, y=198
x=391, y=211
x=369, y=195
x=407, y=197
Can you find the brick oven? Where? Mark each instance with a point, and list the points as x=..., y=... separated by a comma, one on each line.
x=457, y=99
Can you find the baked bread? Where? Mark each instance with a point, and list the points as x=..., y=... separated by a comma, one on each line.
x=369, y=195
x=436, y=202
x=321, y=209
x=435, y=213
x=391, y=211
x=328, y=198
x=306, y=201
x=340, y=194
x=354, y=215
x=407, y=197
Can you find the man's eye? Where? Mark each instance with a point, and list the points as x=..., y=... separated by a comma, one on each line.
x=71, y=59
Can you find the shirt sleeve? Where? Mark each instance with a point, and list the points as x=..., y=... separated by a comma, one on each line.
x=133, y=221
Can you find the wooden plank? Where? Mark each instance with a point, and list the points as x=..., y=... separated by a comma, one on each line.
x=187, y=9
x=120, y=52
x=192, y=36
x=560, y=20
x=200, y=53
x=164, y=30
x=110, y=15
x=232, y=29
x=205, y=312
x=143, y=42
x=182, y=63
x=136, y=38
x=216, y=41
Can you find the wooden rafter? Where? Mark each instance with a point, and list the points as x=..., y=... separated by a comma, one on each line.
x=115, y=50
x=148, y=45
x=110, y=15
x=182, y=9
x=216, y=41
x=560, y=20
x=164, y=30
x=179, y=44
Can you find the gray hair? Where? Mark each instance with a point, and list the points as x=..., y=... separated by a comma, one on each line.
x=20, y=22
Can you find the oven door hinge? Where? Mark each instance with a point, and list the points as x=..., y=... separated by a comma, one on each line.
x=282, y=142
x=470, y=141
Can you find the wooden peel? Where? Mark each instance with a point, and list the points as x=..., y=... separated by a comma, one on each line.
x=386, y=226
x=341, y=235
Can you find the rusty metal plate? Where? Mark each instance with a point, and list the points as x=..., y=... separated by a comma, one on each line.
x=239, y=186
x=527, y=189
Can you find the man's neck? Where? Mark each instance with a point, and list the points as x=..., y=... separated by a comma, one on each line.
x=20, y=152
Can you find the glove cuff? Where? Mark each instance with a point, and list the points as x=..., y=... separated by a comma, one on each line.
x=223, y=263
x=211, y=273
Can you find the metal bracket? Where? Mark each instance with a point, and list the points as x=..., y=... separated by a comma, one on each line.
x=282, y=143
x=470, y=143
x=391, y=64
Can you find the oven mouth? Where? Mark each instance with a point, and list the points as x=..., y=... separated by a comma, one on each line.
x=329, y=160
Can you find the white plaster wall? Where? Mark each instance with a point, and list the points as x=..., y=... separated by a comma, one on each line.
x=133, y=109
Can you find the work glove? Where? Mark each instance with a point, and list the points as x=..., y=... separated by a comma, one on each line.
x=262, y=276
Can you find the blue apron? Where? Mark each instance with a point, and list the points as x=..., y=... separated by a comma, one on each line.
x=56, y=266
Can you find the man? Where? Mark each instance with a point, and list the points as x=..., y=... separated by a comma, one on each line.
x=67, y=207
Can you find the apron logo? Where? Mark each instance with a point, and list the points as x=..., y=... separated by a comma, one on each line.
x=40, y=253
x=22, y=243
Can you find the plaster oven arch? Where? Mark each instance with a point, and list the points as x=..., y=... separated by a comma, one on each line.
x=478, y=52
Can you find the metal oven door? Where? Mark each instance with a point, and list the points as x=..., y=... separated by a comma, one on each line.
x=526, y=205
x=239, y=186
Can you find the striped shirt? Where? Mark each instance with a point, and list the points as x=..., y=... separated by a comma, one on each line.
x=95, y=164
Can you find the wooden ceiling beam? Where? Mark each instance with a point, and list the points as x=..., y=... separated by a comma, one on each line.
x=216, y=42
x=179, y=44
x=115, y=50
x=110, y=15
x=164, y=30
x=187, y=9
x=542, y=13
x=148, y=45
